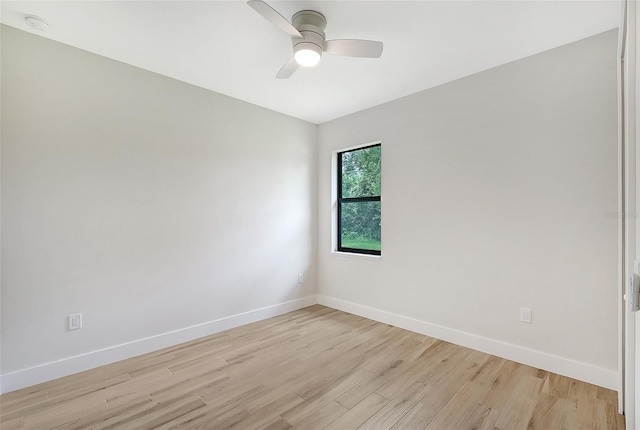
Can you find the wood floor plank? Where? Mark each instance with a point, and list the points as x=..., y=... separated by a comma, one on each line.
x=63, y=413
x=558, y=386
x=144, y=366
x=487, y=411
x=34, y=393
x=210, y=361
x=276, y=423
x=13, y=424
x=310, y=385
x=362, y=390
x=366, y=335
x=266, y=414
x=453, y=414
x=419, y=351
x=190, y=387
x=91, y=393
x=520, y=408
x=398, y=407
x=432, y=368
x=322, y=417
x=311, y=369
x=138, y=387
x=548, y=412
x=324, y=396
x=235, y=394
x=606, y=395
x=360, y=413
x=133, y=407
x=154, y=417
x=392, y=351
x=421, y=414
x=207, y=417
x=607, y=417
x=20, y=399
x=289, y=373
x=581, y=406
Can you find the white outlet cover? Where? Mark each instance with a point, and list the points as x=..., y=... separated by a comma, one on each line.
x=525, y=315
x=75, y=321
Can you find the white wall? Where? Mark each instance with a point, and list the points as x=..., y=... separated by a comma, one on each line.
x=147, y=204
x=494, y=194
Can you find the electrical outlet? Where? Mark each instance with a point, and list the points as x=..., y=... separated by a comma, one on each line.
x=525, y=315
x=75, y=321
x=300, y=278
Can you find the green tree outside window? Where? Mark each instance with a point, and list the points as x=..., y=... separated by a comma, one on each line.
x=359, y=200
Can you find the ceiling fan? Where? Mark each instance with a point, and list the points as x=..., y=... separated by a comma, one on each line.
x=308, y=39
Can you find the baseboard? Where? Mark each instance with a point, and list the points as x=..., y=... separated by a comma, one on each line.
x=57, y=369
x=574, y=369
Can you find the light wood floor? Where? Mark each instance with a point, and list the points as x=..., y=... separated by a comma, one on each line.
x=316, y=368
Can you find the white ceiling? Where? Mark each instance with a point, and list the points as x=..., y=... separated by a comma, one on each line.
x=227, y=47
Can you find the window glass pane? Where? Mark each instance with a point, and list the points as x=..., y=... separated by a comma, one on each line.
x=361, y=172
x=360, y=225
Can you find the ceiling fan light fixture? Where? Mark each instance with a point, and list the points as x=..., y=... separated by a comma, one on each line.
x=307, y=54
x=308, y=39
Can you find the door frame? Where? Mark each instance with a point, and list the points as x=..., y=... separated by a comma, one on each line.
x=628, y=100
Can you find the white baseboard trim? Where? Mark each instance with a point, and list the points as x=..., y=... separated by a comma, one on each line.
x=57, y=369
x=67, y=366
x=564, y=366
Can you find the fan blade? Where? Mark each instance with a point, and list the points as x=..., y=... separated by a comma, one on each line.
x=354, y=48
x=287, y=70
x=274, y=18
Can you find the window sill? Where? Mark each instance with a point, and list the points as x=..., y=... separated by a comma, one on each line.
x=356, y=255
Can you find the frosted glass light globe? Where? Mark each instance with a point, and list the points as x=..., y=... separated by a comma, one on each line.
x=307, y=57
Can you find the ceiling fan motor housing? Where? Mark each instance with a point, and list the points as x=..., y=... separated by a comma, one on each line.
x=311, y=25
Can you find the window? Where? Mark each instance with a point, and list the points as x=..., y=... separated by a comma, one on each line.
x=358, y=200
